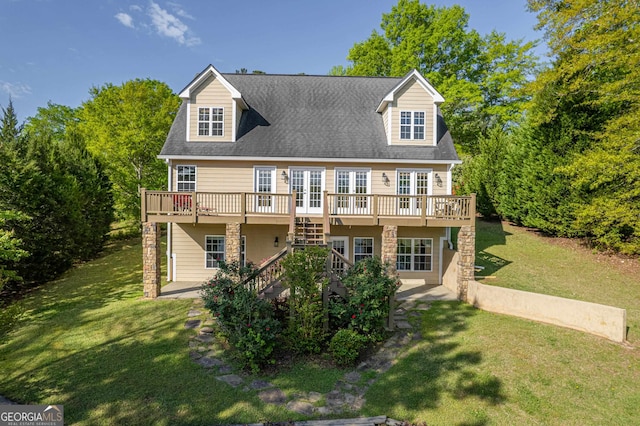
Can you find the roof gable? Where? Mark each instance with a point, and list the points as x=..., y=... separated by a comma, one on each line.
x=411, y=76
x=202, y=77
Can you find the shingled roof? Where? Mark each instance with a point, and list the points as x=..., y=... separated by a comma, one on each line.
x=308, y=117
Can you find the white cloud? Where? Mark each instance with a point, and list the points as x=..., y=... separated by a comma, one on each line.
x=16, y=90
x=169, y=25
x=125, y=19
x=135, y=7
x=180, y=11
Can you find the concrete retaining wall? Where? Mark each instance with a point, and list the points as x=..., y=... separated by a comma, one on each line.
x=601, y=320
x=450, y=269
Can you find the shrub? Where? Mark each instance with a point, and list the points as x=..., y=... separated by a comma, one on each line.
x=246, y=320
x=369, y=291
x=304, y=276
x=345, y=347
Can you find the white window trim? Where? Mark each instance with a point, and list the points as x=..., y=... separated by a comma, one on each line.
x=414, y=254
x=195, y=182
x=351, y=169
x=274, y=180
x=413, y=186
x=210, y=121
x=373, y=247
x=224, y=254
x=412, y=125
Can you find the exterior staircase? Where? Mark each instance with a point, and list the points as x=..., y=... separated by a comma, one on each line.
x=308, y=232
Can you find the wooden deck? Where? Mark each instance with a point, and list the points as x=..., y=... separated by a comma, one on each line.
x=278, y=209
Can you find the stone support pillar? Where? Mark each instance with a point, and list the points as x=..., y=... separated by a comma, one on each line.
x=466, y=260
x=389, y=252
x=233, y=242
x=151, y=259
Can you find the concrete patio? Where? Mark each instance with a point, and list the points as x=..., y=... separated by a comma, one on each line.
x=411, y=290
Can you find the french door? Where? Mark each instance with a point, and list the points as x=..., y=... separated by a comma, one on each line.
x=413, y=184
x=264, y=184
x=309, y=185
x=356, y=183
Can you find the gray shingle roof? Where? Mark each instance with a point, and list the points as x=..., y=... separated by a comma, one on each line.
x=307, y=117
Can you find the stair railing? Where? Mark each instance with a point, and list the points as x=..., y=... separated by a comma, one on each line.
x=268, y=273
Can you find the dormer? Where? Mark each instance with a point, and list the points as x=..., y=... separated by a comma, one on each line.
x=214, y=108
x=410, y=112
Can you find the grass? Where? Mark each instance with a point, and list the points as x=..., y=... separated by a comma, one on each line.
x=522, y=260
x=89, y=342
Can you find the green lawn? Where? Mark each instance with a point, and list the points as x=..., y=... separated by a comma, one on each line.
x=89, y=342
x=521, y=260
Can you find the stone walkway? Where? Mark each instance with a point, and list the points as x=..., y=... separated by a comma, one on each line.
x=348, y=394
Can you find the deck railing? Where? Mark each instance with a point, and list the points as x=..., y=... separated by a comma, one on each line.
x=377, y=206
x=171, y=206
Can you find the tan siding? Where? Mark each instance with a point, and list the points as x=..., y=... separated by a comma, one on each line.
x=433, y=233
x=385, y=121
x=260, y=240
x=211, y=93
x=188, y=247
x=403, y=232
x=412, y=97
x=238, y=176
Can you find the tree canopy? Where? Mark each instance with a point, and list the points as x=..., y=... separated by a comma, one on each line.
x=125, y=127
x=481, y=77
x=573, y=168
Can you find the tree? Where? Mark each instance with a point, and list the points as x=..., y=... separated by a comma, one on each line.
x=591, y=95
x=125, y=127
x=60, y=197
x=481, y=77
x=9, y=128
x=10, y=252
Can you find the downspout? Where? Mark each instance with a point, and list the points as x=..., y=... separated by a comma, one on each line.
x=170, y=265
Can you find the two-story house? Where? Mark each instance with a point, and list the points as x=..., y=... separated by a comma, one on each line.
x=256, y=162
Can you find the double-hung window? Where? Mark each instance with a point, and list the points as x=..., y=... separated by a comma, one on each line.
x=210, y=121
x=186, y=178
x=214, y=251
x=362, y=248
x=414, y=254
x=412, y=124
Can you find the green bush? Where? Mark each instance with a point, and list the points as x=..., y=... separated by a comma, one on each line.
x=345, y=347
x=304, y=276
x=369, y=291
x=245, y=319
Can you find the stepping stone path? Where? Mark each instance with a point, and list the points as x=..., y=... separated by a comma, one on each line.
x=348, y=394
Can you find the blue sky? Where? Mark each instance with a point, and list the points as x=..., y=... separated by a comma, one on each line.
x=56, y=50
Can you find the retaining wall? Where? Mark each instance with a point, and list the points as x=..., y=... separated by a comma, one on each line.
x=601, y=320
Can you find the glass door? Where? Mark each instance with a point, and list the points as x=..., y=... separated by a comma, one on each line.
x=308, y=184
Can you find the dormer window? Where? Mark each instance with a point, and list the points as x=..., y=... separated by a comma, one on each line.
x=210, y=121
x=411, y=124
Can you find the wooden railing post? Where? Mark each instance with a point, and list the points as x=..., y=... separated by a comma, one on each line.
x=423, y=217
x=243, y=207
x=292, y=212
x=326, y=223
x=194, y=206
x=143, y=204
x=327, y=287
x=472, y=208
x=375, y=209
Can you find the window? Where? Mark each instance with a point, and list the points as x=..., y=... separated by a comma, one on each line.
x=362, y=248
x=414, y=184
x=214, y=250
x=353, y=182
x=264, y=184
x=414, y=254
x=210, y=121
x=186, y=178
x=411, y=124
